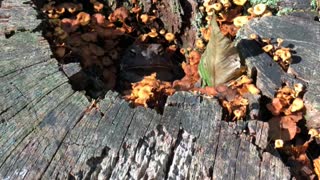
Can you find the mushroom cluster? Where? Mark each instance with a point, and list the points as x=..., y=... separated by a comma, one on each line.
x=88, y=35
x=191, y=71
x=230, y=16
x=287, y=108
x=280, y=54
x=149, y=92
x=96, y=37
x=233, y=99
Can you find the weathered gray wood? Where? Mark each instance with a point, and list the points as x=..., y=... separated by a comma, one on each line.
x=48, y=131
x=303, y=36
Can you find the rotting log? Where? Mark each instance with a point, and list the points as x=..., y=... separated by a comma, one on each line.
x=49, y=131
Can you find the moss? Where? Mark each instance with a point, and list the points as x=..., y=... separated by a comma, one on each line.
x=314, y=4
x=284, y=11
x=269, y=3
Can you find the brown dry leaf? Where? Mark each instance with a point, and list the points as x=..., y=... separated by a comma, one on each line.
x=282, y=128
x=275, y=107
x=296, y=151
x=211, y=91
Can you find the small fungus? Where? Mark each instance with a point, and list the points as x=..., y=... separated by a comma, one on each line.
x=240, y=21
x=298, y=88
x=60, y=10
x=313, y=132
x=225, y=3
x=144, y=18
x=199, y=44
x=279, y=41
x=267, y=13
x=296, y=105
x=267, y=48
x=259, y=9
x=169, y=37
x=217, y=7
x=136, y=9
x=239, y=2
x=97, y=6
x=153, y=34
x=278, y=143
x=253, y=36
x=83, y=18
x=162, y=31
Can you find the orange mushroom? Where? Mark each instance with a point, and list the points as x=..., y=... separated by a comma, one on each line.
x=60, y=10
x=240, y=21
x=83, y=18
x=267, y=48
x=199, y=44
x=144, y=18
x=153, y=33
x=97, y=6
x=169, y=37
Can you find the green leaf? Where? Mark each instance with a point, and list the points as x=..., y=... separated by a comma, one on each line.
x=220, y=62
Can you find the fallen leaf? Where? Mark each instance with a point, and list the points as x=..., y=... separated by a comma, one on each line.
x=282, y=128
x=220, y=62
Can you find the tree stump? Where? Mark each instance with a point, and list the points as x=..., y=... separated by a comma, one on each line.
x=49, y=131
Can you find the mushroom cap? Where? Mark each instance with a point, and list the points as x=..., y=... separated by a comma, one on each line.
x=217, y=6
x=152, y=34
x=169, y=37
x=279, y=40
x=253, y=36
x=60, y=10
x=313, y=132
x=224, y=1
x=83, y=18
x=259, y=9
x=267, y=48
x=136, y=9
x=98, y=6
x=278, y=143
x=144, y=18
x=240, y=21
x=283, y=53
x=267, y=13
x=250, y=10
x=199, y=44
x=162, y=31
x=296, y=105
x=239, y=2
